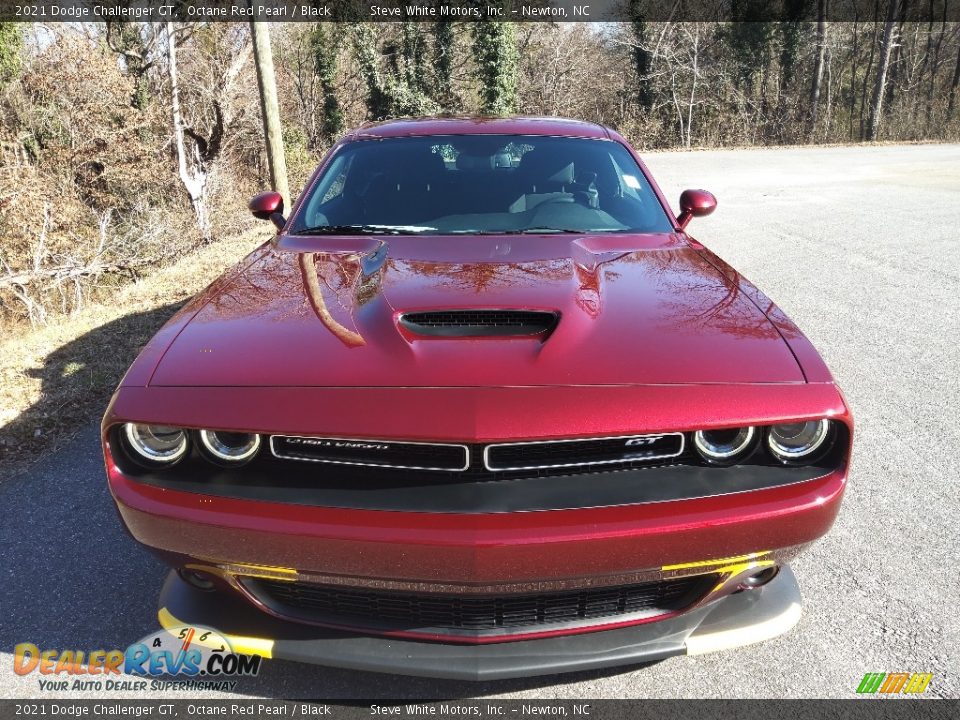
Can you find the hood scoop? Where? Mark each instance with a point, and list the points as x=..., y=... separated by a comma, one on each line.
x=480, y=323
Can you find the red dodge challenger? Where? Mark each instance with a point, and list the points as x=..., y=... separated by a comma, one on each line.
x=481, y=409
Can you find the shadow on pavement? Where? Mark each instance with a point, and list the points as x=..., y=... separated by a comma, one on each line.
x=77, y=380
x=72, y=577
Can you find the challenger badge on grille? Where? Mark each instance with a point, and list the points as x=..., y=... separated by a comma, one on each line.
x=373, y=453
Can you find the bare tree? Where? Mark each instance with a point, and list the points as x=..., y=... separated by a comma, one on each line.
x=686, y=105
x=192, y=170
x=880, y=85
x=953, y=87
x=818, y=63
x=678, y=53
x=195, y=160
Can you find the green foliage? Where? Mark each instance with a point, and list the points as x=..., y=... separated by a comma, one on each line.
x=748, y=41
x=412, y=63
x=791, y=38
x=368, y=53
x=132, y=42
x=496, y=56
x=791, y=35
x=390, y=90
x=11, y=43
x=141, y=93
x=297, y=152
x=642, y=58
x=443, y=48
x=325, y=48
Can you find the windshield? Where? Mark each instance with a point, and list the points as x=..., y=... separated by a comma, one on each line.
x=467, y=184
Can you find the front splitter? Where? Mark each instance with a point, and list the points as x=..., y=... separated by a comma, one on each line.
x=736, y=620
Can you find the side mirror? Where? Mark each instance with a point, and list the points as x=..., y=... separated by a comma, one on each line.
x=268, y=206
x=695, y=203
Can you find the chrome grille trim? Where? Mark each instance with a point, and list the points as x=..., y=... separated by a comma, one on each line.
x=487, y=448
x=487, y=464
x=276, y=454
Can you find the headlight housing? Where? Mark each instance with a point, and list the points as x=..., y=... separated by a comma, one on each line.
x=229, y=448
x=798, y=442
x=724, y=447
x=155, y=445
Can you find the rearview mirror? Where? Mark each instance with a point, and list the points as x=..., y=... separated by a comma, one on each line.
x=268, y=206
x=695, y=203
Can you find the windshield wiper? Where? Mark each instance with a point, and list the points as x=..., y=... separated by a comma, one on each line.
x=363, y=230
x=520, y=231
x=547, y=230
x=533, y=230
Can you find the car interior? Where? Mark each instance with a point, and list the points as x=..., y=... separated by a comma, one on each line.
x=487, y=184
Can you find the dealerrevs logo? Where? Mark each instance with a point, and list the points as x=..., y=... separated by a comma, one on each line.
x=187, y=651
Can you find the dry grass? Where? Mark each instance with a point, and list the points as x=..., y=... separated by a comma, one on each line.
x=58, y=378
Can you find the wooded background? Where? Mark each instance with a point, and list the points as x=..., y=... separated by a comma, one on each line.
x=115, y=160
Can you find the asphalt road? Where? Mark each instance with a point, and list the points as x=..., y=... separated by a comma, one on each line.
x=861, y=247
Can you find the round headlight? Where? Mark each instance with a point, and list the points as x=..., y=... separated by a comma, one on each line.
x=794, y=442
x=724, y=447
x=229, y=448
x=155, y=445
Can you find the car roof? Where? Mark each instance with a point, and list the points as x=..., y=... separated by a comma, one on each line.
x=410, y=127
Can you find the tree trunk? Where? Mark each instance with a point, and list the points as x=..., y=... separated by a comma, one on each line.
x=854, y=58
x=270, y=109
x=895, y=67
x=828, y=84
x=934, y=66
x=367, y=52
x=195, y=180
x=879, y=87
x=953, y=88
x=443, y=66
x=818, y=63
x=693, y=85
x=642, y=57
x=869, y=67
x=324, y=48
x=496, y=56
x=928, y=62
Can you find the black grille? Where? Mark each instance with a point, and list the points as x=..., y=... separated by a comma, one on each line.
x=575, y=453
x=457, y=614
x=475, y=323
x=373, y=459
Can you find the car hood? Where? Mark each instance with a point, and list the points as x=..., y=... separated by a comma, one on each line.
x=633, y=309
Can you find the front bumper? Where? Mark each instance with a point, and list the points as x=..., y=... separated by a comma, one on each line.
x=730, y=536
x=734, y=621
x=496, y=552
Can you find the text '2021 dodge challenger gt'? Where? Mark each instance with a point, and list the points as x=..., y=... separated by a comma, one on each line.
x=480, y=409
